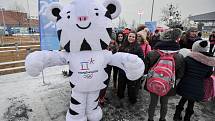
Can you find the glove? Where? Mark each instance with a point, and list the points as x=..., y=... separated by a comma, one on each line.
x=133, y=66
x=34, y=63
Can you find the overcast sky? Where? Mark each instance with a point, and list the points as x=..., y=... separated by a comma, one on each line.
x=130, y=7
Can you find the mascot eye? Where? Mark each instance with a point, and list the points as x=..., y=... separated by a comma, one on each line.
x=96, y=9
x=68, y=16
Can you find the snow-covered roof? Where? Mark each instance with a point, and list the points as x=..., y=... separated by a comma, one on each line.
x=203, y=17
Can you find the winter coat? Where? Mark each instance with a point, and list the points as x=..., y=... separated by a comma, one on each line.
x=187, y=42
x=198, y=67
x=154, y=40
x=153, y=56
x=145, y=48
x=132, y=48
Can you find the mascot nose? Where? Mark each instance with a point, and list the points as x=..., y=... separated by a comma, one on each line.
x=82, y=18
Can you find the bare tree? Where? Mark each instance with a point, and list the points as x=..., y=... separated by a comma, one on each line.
x=134, y=24
x=124, y=23
x=171, y=16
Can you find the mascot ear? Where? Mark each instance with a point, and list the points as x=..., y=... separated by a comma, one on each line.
x=53, y=11
x=114, y=7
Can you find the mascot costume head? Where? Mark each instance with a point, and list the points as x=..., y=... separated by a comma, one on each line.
x=84, y=24
x=84, y=28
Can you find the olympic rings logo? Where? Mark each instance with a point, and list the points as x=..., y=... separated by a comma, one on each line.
x=88, y=76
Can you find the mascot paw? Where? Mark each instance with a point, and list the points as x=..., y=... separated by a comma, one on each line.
x=134, y=66
x=34, y=63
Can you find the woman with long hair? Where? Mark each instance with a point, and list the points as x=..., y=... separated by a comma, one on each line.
x=129, y=46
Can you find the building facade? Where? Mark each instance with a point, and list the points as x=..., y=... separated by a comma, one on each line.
x=14, y=22
x=206, y=22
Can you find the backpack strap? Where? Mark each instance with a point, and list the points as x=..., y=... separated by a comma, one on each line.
x=160, y=52
x=163, y=53
x=146, y=48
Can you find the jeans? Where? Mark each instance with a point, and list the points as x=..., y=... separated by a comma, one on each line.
x=153, y=105
x=132, y=86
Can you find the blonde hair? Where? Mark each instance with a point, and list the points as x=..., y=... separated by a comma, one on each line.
x=143, y=35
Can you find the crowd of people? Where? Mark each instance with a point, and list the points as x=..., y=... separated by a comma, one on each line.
x=190, y=71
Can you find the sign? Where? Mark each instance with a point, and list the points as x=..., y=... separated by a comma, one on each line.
x=140, y=12
x=151, y=25
x=48, y=33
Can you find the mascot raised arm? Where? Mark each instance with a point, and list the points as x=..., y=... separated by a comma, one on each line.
x=84, y=28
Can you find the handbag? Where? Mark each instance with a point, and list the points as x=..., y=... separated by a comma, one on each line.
x=209, y=88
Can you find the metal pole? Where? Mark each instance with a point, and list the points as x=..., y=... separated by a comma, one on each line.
x=2, y=41
x=140, y=20
x=29, y=13
x=119, y=22
x=43, y=78
x=140, y=12
x=44, y=83
x=3, y=19
x=152, y=9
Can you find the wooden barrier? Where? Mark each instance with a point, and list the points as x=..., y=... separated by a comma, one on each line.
x=14, y=47
x=13, y=55
x=13, y=51
x=12, y=70
x=12, y=64
x=21, y=40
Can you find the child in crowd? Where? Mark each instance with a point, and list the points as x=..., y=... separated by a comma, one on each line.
x=199, y=66
x=167, y=45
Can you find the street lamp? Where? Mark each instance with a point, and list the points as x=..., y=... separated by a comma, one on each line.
x=2, y=9
x=29, y=19
x=152, y=9
x=140, y=12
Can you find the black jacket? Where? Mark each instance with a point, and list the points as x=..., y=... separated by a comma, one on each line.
x=154, y=40
x=197, y=68
x=188, y=42
x=133, y=48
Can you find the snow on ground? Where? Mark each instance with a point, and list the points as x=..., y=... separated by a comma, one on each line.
x=25, y=98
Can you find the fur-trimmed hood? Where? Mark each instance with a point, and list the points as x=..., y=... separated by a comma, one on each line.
x=210, y=61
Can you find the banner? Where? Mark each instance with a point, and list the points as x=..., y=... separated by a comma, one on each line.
x=48, y=33
x=151, y=25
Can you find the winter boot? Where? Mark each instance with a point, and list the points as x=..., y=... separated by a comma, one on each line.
x=188, y=115
x=177, y=115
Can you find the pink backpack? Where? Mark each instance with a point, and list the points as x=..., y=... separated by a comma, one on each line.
x=161, y=77
x=209, y=88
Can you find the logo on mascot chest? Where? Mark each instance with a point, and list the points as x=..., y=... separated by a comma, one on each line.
x=85, y=69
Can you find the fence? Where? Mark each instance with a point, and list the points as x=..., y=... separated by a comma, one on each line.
x=19, y=39
x=13, y=51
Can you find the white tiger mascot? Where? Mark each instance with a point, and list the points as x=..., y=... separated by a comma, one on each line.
x=84, y=28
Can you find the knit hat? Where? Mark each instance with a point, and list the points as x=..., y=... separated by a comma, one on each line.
x=201, y=46
x=171, y=34
x=141, y=27
x=192, y=29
